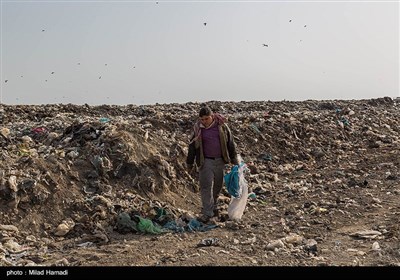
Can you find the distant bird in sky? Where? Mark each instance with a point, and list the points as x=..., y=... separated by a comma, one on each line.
x=99, y=77
x=105, y=64
x=134, y=67
x=305, y=25
x=290, y=20
x=22, y=76
x=52, y=72
x=265, y=45
x=6, y=81
x=205, y=23
x=42, y=30
x=79, y=63
x=45, y=80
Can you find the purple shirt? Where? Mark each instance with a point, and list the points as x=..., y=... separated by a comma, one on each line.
x=211, y=142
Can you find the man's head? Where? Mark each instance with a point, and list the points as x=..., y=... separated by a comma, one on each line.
x=205, y=116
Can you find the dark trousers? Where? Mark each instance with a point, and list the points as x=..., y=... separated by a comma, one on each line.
x=211, y=177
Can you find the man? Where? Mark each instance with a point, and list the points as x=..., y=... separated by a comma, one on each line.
x=211, y=146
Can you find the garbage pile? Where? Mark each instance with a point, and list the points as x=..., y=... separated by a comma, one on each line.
x=82, y=173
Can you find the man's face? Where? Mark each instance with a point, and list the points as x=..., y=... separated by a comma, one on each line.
x=206, y=120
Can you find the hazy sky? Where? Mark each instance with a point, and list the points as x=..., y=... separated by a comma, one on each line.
x=143, y=52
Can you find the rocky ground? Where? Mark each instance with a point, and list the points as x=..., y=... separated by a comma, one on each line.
x=107, y=186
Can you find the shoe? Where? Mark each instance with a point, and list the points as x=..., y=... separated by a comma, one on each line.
x=213, y=221
x=216, y=212
x=203, y=218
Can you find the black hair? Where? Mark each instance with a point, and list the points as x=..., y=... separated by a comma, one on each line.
x=205, y=111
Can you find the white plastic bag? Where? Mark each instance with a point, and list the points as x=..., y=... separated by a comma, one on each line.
x=237, y=205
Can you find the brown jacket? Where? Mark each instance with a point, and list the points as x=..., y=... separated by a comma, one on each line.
x=228, y=148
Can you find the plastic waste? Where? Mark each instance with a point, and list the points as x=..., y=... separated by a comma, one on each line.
x=125, y=223
x=208, y=242
x=147, y=226
x=104, y=120
x=252, y=196
x=238, y=204
x=232, y=182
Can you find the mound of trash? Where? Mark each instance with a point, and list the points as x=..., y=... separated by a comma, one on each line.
x=86, y=173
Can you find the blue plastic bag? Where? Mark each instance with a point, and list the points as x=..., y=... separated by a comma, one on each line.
x=232, y=182
x=238, y=204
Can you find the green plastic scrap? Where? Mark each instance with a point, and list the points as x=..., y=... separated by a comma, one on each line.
x=161, y=212
x=147, y=226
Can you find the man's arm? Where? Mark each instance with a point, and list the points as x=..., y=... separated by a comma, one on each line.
x=191, y=155
x=231, y=147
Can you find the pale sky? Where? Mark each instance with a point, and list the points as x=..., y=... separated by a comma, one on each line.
x=147, y=52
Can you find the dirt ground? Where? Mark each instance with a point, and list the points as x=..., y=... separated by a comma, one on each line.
x=325, y=177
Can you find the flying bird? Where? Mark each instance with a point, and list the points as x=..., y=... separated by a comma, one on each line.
x=290, y=20
x=42, y=30
x=105, y=64
x=305, y=25
x=52, y=72
x=6, y=81
x=265, y=45
x=99, y=77
x=205, y=23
